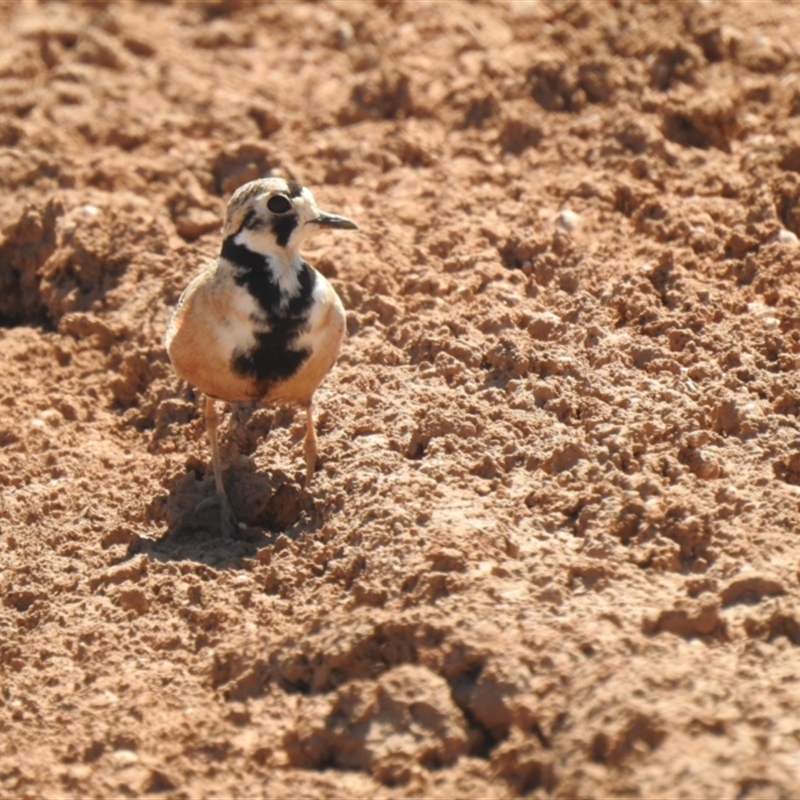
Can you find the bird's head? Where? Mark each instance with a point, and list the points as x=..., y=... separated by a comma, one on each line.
x=274, y=215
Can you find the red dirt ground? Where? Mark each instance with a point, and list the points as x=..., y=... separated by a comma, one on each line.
x=552, y=545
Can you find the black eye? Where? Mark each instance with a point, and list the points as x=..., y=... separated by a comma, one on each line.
x=278, y=204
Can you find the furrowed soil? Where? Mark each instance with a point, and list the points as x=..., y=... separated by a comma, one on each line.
x=551, y=548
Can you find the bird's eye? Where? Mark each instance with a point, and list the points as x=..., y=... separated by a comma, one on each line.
x=278, y=204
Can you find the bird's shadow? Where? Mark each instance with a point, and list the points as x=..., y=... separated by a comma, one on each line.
x=268, y=504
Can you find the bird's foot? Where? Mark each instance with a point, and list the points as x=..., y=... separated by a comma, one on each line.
x=228, y=524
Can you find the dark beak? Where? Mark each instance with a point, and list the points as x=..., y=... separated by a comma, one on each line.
x=335, y=221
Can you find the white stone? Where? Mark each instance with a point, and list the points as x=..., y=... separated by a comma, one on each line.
x=784, y=236
x=567, y=219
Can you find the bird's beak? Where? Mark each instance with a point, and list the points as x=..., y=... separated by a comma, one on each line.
x=334, y=221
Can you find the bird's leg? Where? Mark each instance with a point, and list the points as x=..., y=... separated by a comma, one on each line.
x=310, y=444
x=227, y=520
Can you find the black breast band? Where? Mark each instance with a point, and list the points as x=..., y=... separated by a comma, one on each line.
x=273, y=358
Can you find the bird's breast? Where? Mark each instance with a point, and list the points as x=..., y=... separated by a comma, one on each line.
x=237, y=337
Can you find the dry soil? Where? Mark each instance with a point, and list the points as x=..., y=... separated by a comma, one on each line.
x=551, y=548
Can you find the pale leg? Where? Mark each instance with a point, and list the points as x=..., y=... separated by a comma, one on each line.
x=310, y=444
x=227, y=520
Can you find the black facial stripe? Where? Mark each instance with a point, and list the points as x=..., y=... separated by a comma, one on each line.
x=295, y=189
x=283, y=227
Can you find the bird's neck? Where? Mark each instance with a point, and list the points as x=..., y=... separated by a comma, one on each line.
x=280, y=267
x=248, y=249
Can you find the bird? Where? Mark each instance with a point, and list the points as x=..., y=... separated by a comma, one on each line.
x=259, y=324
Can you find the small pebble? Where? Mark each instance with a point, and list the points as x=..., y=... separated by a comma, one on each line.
x=124, y=758
x=784, y=236
x=345, y=35
x=567, y=219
